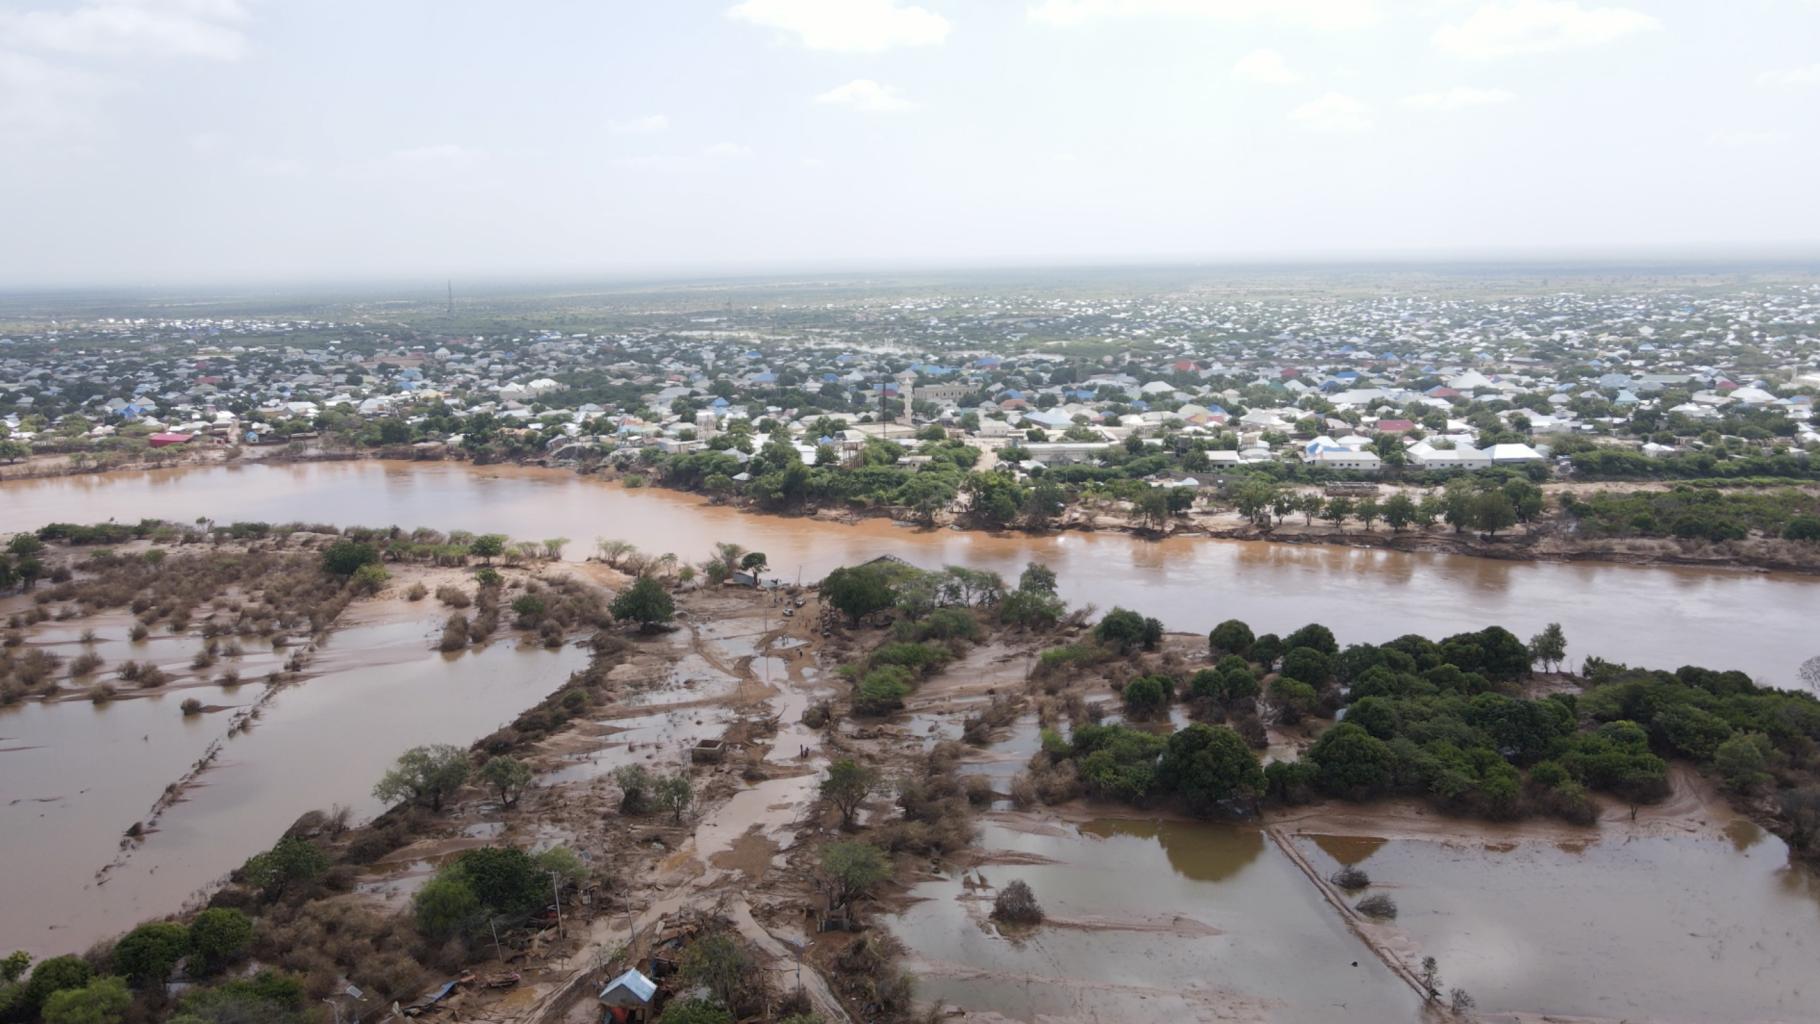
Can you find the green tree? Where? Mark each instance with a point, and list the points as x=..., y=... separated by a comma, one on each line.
x=290, y=862
x=675, y=793
x=1369, y=512
x=102, y=1001
x=1743, y=762
x=635, y=788
x=1126, y=630
x=505, y=879
x=1399, y=512
x=488, y=546
x=446, y=907
x=50, y=976
x=220, y=936
x=1351, y=762
x=1230, y=637
x=147, y=954
x=847, y=786
x=1315, y=636
x=858, y=591
x=1208, y=765
x=1293, y=698
x=1493, y=511
x=507, y=776
x=1145, y=696
x=345, y=557
x=1337, y=510
x=1037, y=578
x=425, y=775
x=718, y=963
x=850, y=870
x=1549, y=646
x=645, y=602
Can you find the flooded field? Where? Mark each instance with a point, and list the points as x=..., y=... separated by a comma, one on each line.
x=1659, y=616
x=74, y=775
x=1672, y=929
x=1146, y=921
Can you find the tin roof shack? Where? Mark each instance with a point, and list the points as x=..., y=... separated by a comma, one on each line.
x=629, y=999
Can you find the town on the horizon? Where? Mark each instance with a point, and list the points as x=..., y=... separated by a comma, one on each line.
x=1569, y=379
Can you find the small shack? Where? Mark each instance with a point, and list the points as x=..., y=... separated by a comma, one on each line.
x=629, y=999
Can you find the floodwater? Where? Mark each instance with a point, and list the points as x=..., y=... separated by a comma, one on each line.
x=74, y=776
x=1688, y=928
x=1145, y=921
x=1649, y=615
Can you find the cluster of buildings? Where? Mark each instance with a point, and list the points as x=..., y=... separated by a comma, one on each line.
x=1347, y=384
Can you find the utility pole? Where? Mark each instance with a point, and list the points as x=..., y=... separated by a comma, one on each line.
x=556, y=891
x=495, y=929
x=451, y=296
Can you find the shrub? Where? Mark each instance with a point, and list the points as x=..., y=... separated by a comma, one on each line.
x=147, y=954
x=102, y=1001
x=219, y=936
x=1230, y=637
x=882, y=690
x=1146, y=696
x=1016, y=904
x=1350, y=878
x=1378, y=906
x=416, y=592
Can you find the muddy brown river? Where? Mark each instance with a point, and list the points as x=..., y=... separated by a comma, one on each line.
x=1659, y=616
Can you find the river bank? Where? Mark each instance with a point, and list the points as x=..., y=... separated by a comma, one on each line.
x=1546, y=540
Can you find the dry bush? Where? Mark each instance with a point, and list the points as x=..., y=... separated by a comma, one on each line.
x=453, y=596
x=1016, y=904
x=1378, y=906
x=1350, y=878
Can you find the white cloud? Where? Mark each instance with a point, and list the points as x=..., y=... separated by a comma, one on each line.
x=1317, y=14
x=40, y=100
x=650, y=124
x=1336, y=113
x=1747, y=139
x=728, y=151
x=1265, y=67
x=132, y=28
x=863, y=94
x=1809, y=75
x=1515, y=27
x=846, y=26
x=1458, y=98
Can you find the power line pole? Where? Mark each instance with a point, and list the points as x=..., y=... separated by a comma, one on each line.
x=556, y=891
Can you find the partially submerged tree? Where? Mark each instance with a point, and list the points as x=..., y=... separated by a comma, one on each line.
x=425, y=775
x=1016, y=904
x=508, y=777
x=847, y=786
x=850, y=870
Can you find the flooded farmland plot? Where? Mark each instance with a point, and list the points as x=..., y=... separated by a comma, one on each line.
x=1145, y=921
x=74, y=775
x=1688, y=928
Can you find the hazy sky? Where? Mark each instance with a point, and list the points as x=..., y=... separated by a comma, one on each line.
x=157, y=141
